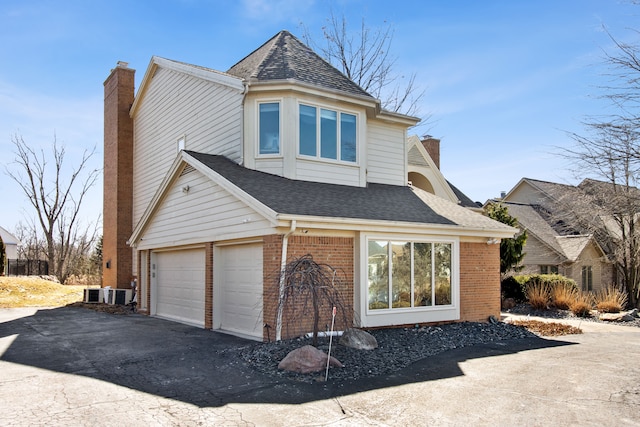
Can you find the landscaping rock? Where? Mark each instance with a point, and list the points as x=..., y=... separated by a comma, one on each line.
x=307, y=359
x=358, y=339
x=634, y=313
x=508, y=303
x=617, y=317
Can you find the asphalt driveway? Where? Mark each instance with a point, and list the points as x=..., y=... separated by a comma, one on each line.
x=72, y=366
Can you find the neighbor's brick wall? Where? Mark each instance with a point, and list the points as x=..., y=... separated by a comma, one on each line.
x=118, y=175
x=479, y=281
x=338, y=252
x=208, y=286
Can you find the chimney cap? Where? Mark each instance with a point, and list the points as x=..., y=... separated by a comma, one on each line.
x=123, y=64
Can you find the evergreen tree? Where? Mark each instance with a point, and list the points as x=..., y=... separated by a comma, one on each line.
x=511, y=250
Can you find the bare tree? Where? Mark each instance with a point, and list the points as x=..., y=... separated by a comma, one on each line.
x=56, y=203
x=364, y=56
x=609, y=150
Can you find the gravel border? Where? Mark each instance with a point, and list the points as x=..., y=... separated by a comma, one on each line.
x=397, y=349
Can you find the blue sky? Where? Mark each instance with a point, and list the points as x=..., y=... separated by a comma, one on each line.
x=503, y=80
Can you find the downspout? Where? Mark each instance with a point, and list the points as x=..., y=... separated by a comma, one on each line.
x=245, y=90
x=283, y=264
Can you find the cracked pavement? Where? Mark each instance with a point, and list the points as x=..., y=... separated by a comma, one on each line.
x=76, y=367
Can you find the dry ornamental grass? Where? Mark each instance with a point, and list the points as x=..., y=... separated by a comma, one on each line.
x=32, y=291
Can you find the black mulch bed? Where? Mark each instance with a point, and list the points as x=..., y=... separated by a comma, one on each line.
x=397, y=348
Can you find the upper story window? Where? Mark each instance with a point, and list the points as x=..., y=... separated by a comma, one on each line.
x=327, y=134
x=269, y=132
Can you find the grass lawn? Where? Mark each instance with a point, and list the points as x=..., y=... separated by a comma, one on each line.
x=36, y=292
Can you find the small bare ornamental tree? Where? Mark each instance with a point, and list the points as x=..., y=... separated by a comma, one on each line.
x=56, y=197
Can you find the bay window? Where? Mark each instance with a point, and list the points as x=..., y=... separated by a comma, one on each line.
x=269, y=128
x=327, y=134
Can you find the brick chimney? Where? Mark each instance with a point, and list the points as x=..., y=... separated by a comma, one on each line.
x=432, y=145
x=117, y=216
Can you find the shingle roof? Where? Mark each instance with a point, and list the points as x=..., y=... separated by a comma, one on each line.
x=528, y=218
x=286, y=196
x=374, y=202
x=284, y=57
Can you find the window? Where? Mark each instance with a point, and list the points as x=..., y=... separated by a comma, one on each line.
x=269, y=132
x=548, y=269
x=181, y=143
x=327, y=134
x=409, y=274
x=587, y=278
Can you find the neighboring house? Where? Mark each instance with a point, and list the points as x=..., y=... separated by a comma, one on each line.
x=213, y=180
x=11, y=248
x=556, y=241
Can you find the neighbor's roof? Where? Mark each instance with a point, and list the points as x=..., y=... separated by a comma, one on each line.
x=284, y=57
x=374, y=202
x=8, y=238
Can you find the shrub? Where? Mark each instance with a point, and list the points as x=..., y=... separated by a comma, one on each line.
x=563, y=294
x=537, y=292
x=581, y=306
x=610, y=300
x=511, y=287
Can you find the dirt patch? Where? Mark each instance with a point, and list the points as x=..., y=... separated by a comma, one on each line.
x=105, y=308
x=547, y=329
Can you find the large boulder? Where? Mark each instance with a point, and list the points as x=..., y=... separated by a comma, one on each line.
x=358, y=339
x=617, y=317
x=307, y=359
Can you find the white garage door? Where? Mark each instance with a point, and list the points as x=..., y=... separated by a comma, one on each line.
x=180, y=286
x=241, y=289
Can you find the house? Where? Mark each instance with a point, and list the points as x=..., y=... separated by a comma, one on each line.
x=214, y=180
x=11, y=248
x=557, y=239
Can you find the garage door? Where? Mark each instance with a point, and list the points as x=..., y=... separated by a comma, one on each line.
x=180, y=286
x=241, y=290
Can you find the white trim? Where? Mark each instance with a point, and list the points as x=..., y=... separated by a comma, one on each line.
x=192, y=70
x=318, y=157
x=256, y=143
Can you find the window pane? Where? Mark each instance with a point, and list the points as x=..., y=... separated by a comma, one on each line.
x=270, y=128
x=422, y=274
x=328, y=134
x=401, y=274
x=378, y=274
x=443, y=273
x=347, y=137
x=308, y=130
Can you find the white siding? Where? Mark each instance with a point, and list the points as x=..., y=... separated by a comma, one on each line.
x=273, y=166
x=174, y=105
x=205, y=213
x=386, y=154
x=333, y=173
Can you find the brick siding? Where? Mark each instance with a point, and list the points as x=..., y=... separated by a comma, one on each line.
x=337, y=252
x=479, y=281
x=118, y=176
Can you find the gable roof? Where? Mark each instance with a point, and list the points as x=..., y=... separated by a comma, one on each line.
x=8, y=238
x=277, y=198
x=293, y=197
x=568, y=246
x=284, y=57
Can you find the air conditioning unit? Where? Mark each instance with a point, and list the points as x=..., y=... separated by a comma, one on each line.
x=119, y=296
x=94, y=295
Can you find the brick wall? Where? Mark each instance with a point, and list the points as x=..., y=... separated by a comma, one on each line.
x=298, y=319
x=479, y=281
x=118, y=175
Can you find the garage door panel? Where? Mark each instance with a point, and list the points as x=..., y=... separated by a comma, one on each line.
x=180, y=285
x=241, y=289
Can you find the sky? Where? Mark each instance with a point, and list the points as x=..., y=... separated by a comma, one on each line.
x=504, y=81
